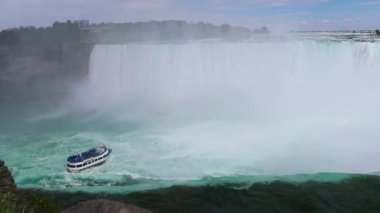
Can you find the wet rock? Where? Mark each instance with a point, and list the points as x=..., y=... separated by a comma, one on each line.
x=104, y=206
x=7, y=183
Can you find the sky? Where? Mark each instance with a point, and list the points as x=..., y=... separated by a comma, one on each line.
x=276, y=14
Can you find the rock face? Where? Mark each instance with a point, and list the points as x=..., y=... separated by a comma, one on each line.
x=7, y=183
x=104, y=206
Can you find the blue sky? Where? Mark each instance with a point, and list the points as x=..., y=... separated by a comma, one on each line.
x=277, y=14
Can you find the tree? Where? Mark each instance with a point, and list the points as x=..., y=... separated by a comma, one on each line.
x=262, y=30
x=225, y=28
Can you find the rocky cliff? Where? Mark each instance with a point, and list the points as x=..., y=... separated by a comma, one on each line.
x=30, y=73
x=7, y=183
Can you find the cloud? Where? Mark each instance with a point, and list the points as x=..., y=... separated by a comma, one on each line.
x=148, y=5
x=352, y=19
x=370, y=3
x=14, y=13
x=250, y=13
x=249, y=4
x=279, y=3
x=326, y=21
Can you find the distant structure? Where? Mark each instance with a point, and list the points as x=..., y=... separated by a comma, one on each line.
x=83, y=23
x=378, y=32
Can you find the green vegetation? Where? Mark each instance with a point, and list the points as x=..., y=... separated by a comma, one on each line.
x=164, y=31
x=14, y=200
x=60, y=33
x=39, y=63
x=19, y=201
x=378, y=32
x=55, y=35
x=45, y=43
x=262, y=30
x=357, y=194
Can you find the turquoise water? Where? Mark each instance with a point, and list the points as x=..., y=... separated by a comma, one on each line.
x=142, y=158
x=36, y=152
x=206, y=113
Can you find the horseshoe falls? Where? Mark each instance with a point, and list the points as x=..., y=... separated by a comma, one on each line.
x=202, y=111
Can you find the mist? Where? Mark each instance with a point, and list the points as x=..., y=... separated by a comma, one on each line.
x=227, y=108
x=184, y=101
x=189, y=106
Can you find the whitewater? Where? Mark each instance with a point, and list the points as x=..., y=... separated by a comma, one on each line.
x=193, y=112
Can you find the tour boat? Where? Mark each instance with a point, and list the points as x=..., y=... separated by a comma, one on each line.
x=93, y=157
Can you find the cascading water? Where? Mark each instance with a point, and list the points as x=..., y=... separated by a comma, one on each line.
x=246, y=108
x=183, y=111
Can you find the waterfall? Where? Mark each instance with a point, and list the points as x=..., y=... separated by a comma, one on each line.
x=250, y=71
x=188, y=66
x=243, y=107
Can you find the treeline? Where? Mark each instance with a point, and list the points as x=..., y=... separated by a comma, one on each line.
x=42, y=62
x=63, y=32
x=50, y=42
x=54, y=35
x=163, y=31
x=44, y=42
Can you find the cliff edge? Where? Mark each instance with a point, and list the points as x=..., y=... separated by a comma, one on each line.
x=7, y=183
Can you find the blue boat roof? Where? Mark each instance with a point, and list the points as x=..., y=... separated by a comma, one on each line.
x=94, y=152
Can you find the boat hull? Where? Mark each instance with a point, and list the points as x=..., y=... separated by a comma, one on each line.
x=88, y=163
